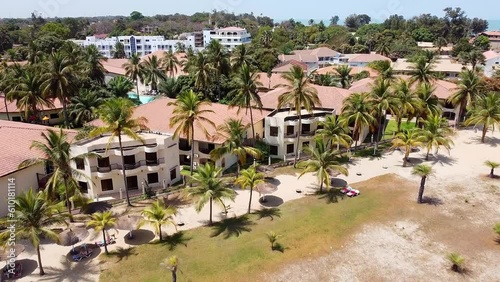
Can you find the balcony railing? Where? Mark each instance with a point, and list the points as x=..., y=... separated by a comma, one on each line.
x=104, y=169
x=307, y=133
x=205, y=150
x=293, y=135
x=144, y=163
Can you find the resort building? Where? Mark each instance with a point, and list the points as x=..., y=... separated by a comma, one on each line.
x=491, y=63
x=448, y=68
x=229, y=37
x=16, y=139
x=494, y=37
x=313, y=58
x=152, y=163
x=330, y=70
x=46, y=115
x=362, y=60
x=284, y=67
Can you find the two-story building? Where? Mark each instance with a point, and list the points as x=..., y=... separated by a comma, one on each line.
x=494, y=37
x=491, y=63
x=46, y=115
x=362, y=60
x=446, y=67
x=313, y=58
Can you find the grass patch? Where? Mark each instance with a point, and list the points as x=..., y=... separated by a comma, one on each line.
x=238, y=249
x=392, y=128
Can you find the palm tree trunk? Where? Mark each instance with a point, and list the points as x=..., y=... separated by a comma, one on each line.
x=123, y=169
x=253, y=126
x=174, y=276
x=321, y=187
x=298, y=142
x=137, y=86
x=461, y=114
x=492, y=173
x=159, y=232
x=68, y=203
x=250, y=201
x=421, y=191
x=399, y=123
x=192, y=149
x=238, y=167
x=485, y=129
x=210, y=219
x=42, y=272
x=105, y=241
x=6, y=108
x=65, y=113
x=405, y=160
x=427, y=155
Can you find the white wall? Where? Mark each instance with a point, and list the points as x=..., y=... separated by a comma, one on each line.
x=489, y=65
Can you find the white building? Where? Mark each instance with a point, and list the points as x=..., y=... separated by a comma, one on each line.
x=314, y=58
x=229, y=37
x=491, y=63
x=152, y=163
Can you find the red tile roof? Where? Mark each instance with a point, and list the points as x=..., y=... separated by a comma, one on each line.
x=488, y=55
x=12, y=107
x=367, y=58
x=273, y=81
x=354, y=71
x=114, y=66
x=16, y=139
x=287, y=66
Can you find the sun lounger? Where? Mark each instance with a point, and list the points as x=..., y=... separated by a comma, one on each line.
x=83, y=254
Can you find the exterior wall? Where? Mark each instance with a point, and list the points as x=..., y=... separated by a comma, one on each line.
x=229, y=39
x=358, y=64
x=25, y=179
x=490, y=65
x=16, y=116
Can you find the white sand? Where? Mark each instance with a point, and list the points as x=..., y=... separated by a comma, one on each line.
x=466, y=159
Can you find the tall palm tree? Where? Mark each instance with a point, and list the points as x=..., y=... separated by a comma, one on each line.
x=82, y=108
x=406, y=101
x=117, y=116
x=28, y=94
x=383, y=68
x=246, y=92
x=485, y=112
x=242, y=55
x=428, y=102
x=201, y=70
x=157, y=215
x=209, y=188
x=219, y=59
x=407, y=140
x=383, y=48
x=343, y=72
x=55, y=150
x=153, y=71
x=492, y=165
x=435, y=133
x=323, y=162
x=250, y=178
x=189, y=112
x=474, y=57
x=35, y=216
x=334, y=131
x=59, y=80
x=92, y=64
x=170, y=62
x=382, y=100
x=170, y=87
x=469, y=87
x=120, y=86
x=299, y=93
x=234, y=132
x=102, y=221
x=423, y=171
x=357, y=109
x=134, y=70
x=423, y=71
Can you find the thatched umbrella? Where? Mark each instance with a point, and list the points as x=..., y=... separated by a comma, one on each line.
x=11, y=251
x=72, y=236
x=266, y=188
x=128, y=222
x=264, y=168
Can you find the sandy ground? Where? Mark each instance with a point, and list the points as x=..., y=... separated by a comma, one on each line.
x=391, y=250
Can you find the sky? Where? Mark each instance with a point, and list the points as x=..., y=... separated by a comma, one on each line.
x=277, y=9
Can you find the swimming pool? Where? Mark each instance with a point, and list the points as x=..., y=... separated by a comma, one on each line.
x=143, y=99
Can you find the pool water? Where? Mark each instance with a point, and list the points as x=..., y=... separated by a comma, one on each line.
x=143, y=99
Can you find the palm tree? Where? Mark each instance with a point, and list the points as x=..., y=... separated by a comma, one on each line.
x=440, y=43
x=474, y=57
x=272, y=237
x=82, y=108
x=157, y=215
x=407, y=140
x=102, y=221
x=457, y=262
x=334, y=131
x=357, y=109
x=170, y=62
x=172, y=263
x=428, y=102
x=153, y=71
x=189, y=113
x=322, y=161
x=343, y=72
x=249, y=178
x=383, y=68
x=55, y=150
x=468, y=89
x=219, y=59
x=92, y=64
x=59, y=80
x=246, y=92
x=423, y=71
x=435, y=133
x=406, y=101
x=234, y=132
x=492, y=165
x=201, y=70
x=170, y=87
x=423, y=171
x=134, y=70
x=120, y=86
x=485, y=112
x=299, y=93
x=382, y=100
x=210, y=188
x=28, y=94
x=384, y=48
x=35, y=215
x=242, y=55
x=117, y=116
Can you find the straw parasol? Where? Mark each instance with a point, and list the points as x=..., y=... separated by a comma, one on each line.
x=11, y=251
x=128, y=222
x=266, y=188
x=72, y=236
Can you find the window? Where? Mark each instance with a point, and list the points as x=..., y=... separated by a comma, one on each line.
x=107, y=185
x=306, y=128
x=273, y=150
x=103, y=162
x=80, y=163
x=173, y=174
x=273, y=131
x=16, y=118
x=151, y=159
x=129, y=160
x=289, y=149
x=153, y=178
x=132, y=183
x=305, y=145
x=53, y=116
x=290, y=130
x=84, y=187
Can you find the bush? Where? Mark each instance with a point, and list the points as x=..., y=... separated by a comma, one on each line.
x=457, y=262
x=496, y=228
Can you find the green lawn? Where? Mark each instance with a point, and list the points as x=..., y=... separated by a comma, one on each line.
x=238, y=250
x=392, y=128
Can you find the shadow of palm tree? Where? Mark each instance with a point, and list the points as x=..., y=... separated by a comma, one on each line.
x=176, y=200
x=122, y=253
x=232, y=227
x=97, y=207
x=271, y=213
x=433, y=201
x=444, y=159
x=331, y=196
x=83, y=271
x=172, y=241
x=488, y=140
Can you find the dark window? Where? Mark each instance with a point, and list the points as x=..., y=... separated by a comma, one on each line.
x=306, y=128
x=129, y=160
x=54, y=116
x=305, y=145
x=273, y=150
x=320, y=126
x=80, y=163
x=132, y=183
x=151, y=159
x=273, y=131
x=16, y=118
x=84, y=187
x=290, y=130
x=107, y=185
x=103, y=162
x=183, y=160
x=173, y=174
x=184, y=145
x=289, y=149
x=153, y=178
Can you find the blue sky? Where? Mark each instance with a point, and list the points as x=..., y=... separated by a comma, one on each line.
x=278, y=9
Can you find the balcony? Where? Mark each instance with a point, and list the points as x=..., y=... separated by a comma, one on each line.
x=307, y=134
x=309, y=120
x=150, y=163
x=105, y=169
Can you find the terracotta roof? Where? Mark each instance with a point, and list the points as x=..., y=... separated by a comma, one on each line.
x=492, y=33
x=367, y=58
x=488, y=55
x=12, y=107
x=354, y=71
x=114, y=66
x=231, y=28
x=287, y=66
x=309, y=56
x=440, y=65
x=159, y=114
x=330, y=97
x=274, y=81
x=16, y=138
